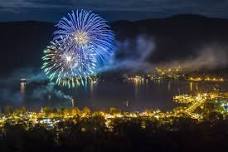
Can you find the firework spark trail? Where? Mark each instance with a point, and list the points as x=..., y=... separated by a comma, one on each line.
x=84, y=29
x=82, y=44
x=67, y=67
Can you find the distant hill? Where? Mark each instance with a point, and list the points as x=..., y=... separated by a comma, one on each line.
x=22, y=43
x=178, y=36
x=175, y=38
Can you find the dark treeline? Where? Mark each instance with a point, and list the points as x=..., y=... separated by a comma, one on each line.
x=133, y=135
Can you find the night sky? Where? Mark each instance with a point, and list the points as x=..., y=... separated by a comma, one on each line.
x=52, y=10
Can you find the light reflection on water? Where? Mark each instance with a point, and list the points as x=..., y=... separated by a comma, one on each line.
x=127, y=95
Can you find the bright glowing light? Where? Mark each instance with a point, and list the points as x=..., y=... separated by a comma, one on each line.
x=50, y=119
x=68, y=67
x=81, y=38
x=82, y=45
x=68, y=58
x=207, y=78
x=85, y=29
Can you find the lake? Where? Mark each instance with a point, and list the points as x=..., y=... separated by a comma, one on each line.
x=119, y=93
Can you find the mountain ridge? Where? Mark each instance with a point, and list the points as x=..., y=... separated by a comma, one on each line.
x=175, y=37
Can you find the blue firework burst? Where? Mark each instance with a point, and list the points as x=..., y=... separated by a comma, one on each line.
x=84, y=29
x=66, y=66
x=82, y=45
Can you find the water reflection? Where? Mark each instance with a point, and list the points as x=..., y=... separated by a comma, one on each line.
x=191, y=86
x=135, y=94
x=22, y=86
x=169, y=85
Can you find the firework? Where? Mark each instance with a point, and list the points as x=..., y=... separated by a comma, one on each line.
x=82, y=45
x=67, y=67
x=84, y=29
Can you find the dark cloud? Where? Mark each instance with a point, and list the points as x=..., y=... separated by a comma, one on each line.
x=157, y=8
